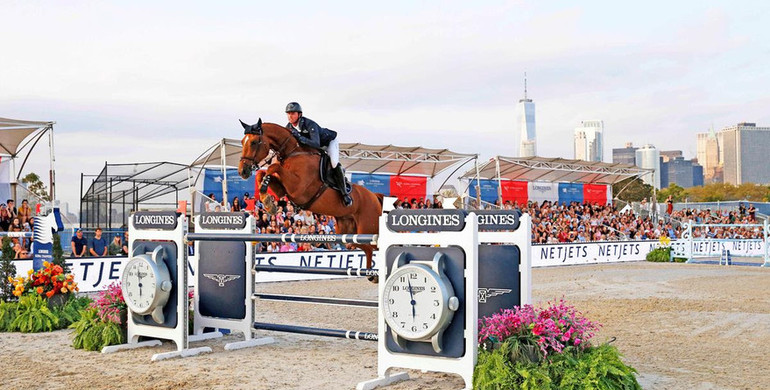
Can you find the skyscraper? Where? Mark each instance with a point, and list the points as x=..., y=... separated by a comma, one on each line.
x=707, y=149
x=588, y=141
x=525, y=125
x=649, y=157
x=625, y=155
x=745, y=147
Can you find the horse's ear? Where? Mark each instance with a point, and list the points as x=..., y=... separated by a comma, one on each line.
x=259, y=124
x=245, y=126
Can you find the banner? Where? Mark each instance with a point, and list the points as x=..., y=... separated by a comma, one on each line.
x=540, y=191
x=488, y=190
x=570, y=192
x=408, y=186
x=375, y=183
x=595, y=193
x=515, y=191
x=236, y=186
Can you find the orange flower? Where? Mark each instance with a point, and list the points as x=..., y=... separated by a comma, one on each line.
x=39, y=290
x=50, y=293
x=63, y=290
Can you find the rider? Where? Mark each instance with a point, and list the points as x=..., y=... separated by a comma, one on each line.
x=308, y=133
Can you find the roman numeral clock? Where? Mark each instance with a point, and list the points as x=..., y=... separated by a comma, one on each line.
x=419, y=301
x=147, y=284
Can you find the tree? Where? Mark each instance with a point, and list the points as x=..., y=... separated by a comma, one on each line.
x=632, y=190
x=7, y=269
x=58, y=254
x=677, y=193
x=35, y=186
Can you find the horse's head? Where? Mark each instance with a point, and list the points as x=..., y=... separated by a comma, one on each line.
x=255, y=148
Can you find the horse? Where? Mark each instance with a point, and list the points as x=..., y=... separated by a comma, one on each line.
x=296, y=175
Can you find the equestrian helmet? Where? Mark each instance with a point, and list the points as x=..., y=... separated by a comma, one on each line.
x=294, y=107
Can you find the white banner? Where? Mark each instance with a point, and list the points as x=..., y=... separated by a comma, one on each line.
x=591, y=253
x=539, y=191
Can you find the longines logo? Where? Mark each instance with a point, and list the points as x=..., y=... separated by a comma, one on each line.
x=486, y=293
x=221, y=278
x=541, y=188
x=163, y=220
x=222, y=220
x=424, y=220
x=498, y=219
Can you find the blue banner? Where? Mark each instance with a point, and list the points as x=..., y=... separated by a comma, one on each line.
x=489, y=191
x=236, y=186
x=375, y=183
x=570, y=192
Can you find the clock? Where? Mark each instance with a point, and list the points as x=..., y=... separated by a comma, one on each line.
x=146, y=284
x=418, y=301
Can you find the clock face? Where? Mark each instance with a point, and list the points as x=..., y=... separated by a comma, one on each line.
x=414, y=302
x=139, y=282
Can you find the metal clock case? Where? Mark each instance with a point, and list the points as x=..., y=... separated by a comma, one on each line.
x=147, y=284
x=419, y=301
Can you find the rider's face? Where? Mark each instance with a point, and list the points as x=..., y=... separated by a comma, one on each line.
x=293, y=117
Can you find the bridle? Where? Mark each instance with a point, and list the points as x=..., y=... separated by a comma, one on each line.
x=253, y=130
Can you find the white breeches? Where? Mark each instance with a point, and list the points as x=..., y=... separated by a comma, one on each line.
x=333, y=150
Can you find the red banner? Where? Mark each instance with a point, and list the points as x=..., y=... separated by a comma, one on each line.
x=408, y=186
x=515, y=191
x=595, y=193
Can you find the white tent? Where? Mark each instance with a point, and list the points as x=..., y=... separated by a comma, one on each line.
x=18, y=137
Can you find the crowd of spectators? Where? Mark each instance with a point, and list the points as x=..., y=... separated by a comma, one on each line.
x=18, y=220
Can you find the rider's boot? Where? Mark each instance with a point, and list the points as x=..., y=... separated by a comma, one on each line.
x=339, y=176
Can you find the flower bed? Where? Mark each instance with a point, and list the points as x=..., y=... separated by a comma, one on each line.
x=546, y=348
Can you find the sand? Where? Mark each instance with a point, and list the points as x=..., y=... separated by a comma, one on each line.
x=682, y=326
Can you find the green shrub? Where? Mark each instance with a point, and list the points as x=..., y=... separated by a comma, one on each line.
x=594, y=368
x=8, y=312
x=34, y=315
x=7, y=270
x=662, y=254
x=92, y=334
x=70, y=312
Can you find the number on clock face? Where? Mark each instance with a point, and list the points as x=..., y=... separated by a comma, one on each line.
x=413, y=302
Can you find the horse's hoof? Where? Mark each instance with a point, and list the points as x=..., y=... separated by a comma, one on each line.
x=373, y=278
x=270, y=205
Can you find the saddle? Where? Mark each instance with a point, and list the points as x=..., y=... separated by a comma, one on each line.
x=326, y=173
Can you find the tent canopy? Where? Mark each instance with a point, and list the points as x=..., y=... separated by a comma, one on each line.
x=399, y=160
x=14, y=131
x=213, y=155
x=555, y=170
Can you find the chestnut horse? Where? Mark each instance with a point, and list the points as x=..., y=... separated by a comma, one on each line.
x=296, y=176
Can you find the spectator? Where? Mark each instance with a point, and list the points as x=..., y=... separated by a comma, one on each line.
x=12, y=208
x=211, y=203
x=79, y=244
x=124, y=250
x=236, y=204
x=116, y=247
x=25, y=212
x=669, y=205
x=5, y=217
x=752, y=213
x=249, y=202
x=98, y=244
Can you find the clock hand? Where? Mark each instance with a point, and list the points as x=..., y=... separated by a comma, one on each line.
x=411, y=298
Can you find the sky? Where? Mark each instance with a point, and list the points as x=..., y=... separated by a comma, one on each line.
x=141, y=81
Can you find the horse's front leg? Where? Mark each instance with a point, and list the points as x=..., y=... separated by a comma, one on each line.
x=267, y=179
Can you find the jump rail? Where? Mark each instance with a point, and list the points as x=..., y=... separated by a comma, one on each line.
x=344, y=334
x=317, y=300
x=317, y=271
x=368, y=239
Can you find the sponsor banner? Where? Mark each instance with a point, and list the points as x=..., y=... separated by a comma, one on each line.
x=236, y=186
x=407, y=220
x=515, y=191
x=713, y=247
x=591, y=253
x=570, y=192
x=319, y=259
x=372, y=182
x=233, y=221
x=541, y=191
x=409, y=186
x=595, y=193
x=488, y=190
x=160, y=220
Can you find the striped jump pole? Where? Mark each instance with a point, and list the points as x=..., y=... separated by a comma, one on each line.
x=344, y=334
x=317, y=300
x=367, y=239
x=317, y=271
